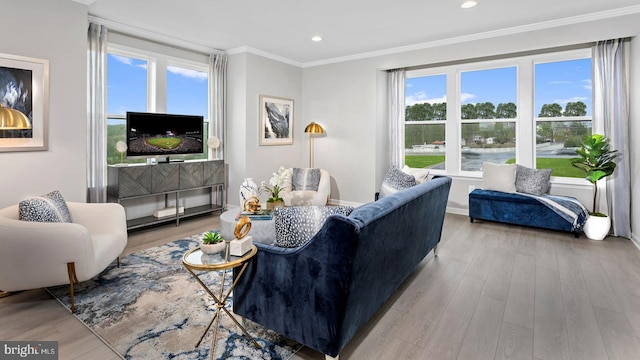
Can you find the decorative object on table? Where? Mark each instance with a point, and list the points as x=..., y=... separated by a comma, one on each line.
x=252, y=205
x=278, y=183
x=142, y=315
x=213, y=143
x=248, y=189
x=263, y=214
x=121, y=147
x=242, y=244
x=597, y=160
x=311, y=129
x=212, y=243
x=276, y=120
x=24, y=111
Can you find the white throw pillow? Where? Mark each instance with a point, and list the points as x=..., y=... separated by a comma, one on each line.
x=420, y=174
x=499, y=177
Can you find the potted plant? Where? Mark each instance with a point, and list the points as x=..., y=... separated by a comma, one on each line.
x=597, y=160
x=278, y=183
x=212, y=243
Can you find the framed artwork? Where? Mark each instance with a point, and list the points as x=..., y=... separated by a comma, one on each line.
x=24, y=103
x=276, y=120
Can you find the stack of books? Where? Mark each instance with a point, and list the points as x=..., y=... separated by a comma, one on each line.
x=257, y=215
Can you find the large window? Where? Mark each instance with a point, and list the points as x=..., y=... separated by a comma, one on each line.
x=151, y=83
x=533, y=111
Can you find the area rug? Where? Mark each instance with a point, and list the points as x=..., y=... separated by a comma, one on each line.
x=152, y=308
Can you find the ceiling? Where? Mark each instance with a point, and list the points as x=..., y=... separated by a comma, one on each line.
x=349, y=28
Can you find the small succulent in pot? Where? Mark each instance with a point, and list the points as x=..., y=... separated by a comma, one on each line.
x=212, y=243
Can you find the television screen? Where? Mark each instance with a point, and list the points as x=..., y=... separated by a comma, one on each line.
x=154, y=134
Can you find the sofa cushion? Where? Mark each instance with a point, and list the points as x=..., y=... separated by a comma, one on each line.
x=46, y=208
x=394, y=181
x=499, y=177
x=305, y=179
x=532, y=181
x=296, y=225
x=420, y=174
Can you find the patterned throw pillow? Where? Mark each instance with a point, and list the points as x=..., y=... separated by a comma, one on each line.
x=305, y=179
x=46, y=208
x=532, y=181
x=295, y=225
x=394, y=181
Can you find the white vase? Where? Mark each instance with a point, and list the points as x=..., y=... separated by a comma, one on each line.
x=213, y=248
x=248, y=188
x=597, y=227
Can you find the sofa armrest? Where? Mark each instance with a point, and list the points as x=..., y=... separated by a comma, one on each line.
x=301, y=292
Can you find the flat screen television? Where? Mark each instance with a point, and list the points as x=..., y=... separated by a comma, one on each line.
x=164, y=135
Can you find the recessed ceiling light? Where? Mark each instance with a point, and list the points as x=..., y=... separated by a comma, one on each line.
x=468, y=4
x=316, y=38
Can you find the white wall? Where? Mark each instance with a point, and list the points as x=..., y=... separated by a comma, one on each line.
x=249, y=77
x=55, y=30
x=346, y=96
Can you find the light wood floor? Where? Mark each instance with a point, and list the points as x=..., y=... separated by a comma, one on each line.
x=494, y=292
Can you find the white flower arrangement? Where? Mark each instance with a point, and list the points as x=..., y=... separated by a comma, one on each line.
x=278, y=183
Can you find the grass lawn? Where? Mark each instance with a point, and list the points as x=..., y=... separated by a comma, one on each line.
x=165, y=143
x=423, y=161
x=560, y=167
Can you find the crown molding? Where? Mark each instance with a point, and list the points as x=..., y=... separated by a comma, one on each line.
x=250, y=50
x=151, y=35
x=85, y=2
x=484, y=35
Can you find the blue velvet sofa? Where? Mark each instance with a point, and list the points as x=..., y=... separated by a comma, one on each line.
x=320, y=294
x=520, y=209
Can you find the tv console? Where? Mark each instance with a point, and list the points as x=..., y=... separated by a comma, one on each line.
x=172, y=179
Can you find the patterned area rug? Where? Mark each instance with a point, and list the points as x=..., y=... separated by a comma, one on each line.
x=152, y=308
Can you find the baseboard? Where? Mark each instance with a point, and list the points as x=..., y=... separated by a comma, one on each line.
x=635, y=240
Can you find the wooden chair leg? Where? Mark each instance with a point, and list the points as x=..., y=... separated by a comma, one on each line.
x=118, y=261
x=73, y=279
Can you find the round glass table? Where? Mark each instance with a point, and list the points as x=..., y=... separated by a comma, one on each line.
x=195, y=260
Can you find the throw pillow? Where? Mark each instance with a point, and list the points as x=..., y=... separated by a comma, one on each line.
x=420, y=174
x=532, y=181
x=499, y=177
x=46, y=208
x=305, y=179
x=394, y=181
x=296, y=225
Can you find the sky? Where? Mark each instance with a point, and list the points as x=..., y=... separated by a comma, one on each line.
x=127, y=88
x=557, y=82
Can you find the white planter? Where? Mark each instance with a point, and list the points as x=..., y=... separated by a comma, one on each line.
x=213, y=248
x=597, y=227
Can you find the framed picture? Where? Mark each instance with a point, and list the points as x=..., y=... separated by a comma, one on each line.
x=276, y=120
x=24, y=103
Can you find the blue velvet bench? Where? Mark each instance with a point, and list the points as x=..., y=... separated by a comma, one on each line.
x=518, y=209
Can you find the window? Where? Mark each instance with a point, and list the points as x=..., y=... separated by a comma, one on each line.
x=461, y=115
x=425, y=118
x=151, y=83
x=563, y=113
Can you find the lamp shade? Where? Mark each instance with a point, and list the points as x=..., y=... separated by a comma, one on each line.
x=11, y=119
x=314, y=128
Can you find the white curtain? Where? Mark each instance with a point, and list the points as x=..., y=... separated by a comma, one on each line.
x=611, y=117
x=396, y=84
x=96, y=114
x=218, y=89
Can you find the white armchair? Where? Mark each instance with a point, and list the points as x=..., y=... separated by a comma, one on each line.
x=41, y=254
x=309, y=197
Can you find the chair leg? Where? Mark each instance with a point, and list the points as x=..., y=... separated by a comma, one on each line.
x=73, y=279
x=118, y=261
x=435, y=250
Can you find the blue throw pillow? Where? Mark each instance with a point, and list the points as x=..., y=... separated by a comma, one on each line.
x=296, y=225
x=46, y=208
x=305, y=179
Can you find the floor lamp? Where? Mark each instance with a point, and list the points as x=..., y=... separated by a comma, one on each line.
x=311, y=129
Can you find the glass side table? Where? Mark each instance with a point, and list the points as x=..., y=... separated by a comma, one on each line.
x=195, y=260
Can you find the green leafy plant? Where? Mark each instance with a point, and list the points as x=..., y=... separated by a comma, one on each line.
x=596, y=159
x=212, y=238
